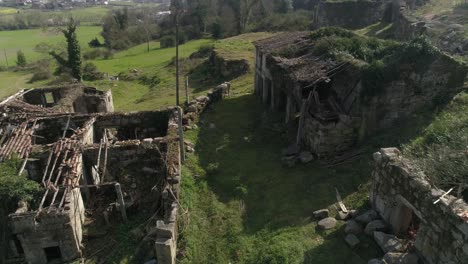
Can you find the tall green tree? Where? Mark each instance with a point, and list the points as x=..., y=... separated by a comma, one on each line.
x=73, y=60
x=74, y=50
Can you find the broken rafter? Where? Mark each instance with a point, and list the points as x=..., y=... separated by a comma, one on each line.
x=106, y=143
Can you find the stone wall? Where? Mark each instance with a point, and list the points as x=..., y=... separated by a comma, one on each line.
x=401, y=193
x=71, y=99
x=38, y=231
x=228, y=68
x=200, y=104
x=139, y=125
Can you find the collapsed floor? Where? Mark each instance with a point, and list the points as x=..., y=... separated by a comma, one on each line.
x=95, y=167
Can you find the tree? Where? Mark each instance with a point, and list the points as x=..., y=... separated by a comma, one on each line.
x=20, y=59
x=73, y=62
x=242, y=11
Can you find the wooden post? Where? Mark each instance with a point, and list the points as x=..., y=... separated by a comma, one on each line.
x=181, y=134
x=6, y=58
x=177, y=56
x=304, y=108
x=186, y=90
x=121, y=202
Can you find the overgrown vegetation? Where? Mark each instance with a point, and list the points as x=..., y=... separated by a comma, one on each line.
x=13, y=189
x=442, y=149
x=380, y=60
x=71, y=64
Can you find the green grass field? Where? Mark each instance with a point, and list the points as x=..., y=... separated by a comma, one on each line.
x=130, y=96
x=26, y=40
x=244, y=207
x=11, y=82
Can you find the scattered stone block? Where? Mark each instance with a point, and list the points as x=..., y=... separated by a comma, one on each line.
x=376, y=225
x=327, y=223
x=400, y=258
x=388, y=243
x=321, y=214
x=352, y=240
x=353, y=227
x=306, y=157
x=375, y=261
x=367, y=217
x=202, y=99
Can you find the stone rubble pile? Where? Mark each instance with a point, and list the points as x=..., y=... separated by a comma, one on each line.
x=370, y=224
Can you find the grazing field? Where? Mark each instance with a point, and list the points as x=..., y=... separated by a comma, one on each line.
x=26, y=40
x=132, y=95
x=11, y=82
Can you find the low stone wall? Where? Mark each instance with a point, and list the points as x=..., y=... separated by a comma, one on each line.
x=196, y=107
x=401, y=193
x=228, y=69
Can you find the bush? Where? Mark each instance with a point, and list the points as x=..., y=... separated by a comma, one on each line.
x=91, y=73
x=167, y=41
x=98, y=53
x=20, y=59
x=217, y=30
x=95, y=43
x=41, y=76
x=151, y=81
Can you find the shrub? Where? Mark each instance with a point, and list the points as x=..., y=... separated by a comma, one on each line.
x=167, y=41
x=98, y=53
x=151, y=81
x=20, y=59
x=91, y=73
x=41, y=76
x=95, y=43
x=217, y=30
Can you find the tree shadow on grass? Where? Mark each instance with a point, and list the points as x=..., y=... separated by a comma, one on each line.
x=240, y=147
x=334, y=249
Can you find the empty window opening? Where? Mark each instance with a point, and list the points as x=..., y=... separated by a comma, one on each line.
x=53, y=254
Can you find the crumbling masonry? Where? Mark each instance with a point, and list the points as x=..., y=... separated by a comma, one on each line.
x=94, y=165
x=405, y=199
x=325, y=98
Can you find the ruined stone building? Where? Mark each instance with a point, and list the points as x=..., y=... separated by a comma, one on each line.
x=92, y=164
x=434, y=222
x=334, y=110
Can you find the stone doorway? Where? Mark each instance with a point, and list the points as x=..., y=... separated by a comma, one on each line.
x=405, y=221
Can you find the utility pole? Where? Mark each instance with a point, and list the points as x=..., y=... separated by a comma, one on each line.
x=186, y=89
x=177, y=52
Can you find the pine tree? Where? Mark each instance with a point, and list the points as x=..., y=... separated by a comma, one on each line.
x=74, y=51
x=20, y=59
